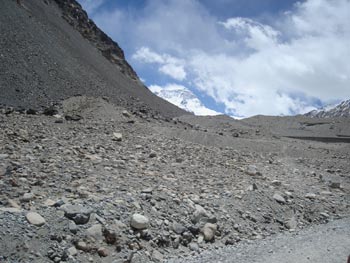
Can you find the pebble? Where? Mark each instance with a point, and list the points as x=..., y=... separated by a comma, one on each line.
x=73, y=227
x=279, y=198
x=178, y=228
x=252, y=170
x=27, y=197
x=78, y=213
x=117, y=136
x=157, y=256
x=209, y=231
x=292, y=223
x=193, y=246
x=49, y=202
x=139, y=221
x=310, y=196
x=103, y=252
x=95, y=232
x=35, y=219
x=72, y=251
x=81, y=245
x=335, y=185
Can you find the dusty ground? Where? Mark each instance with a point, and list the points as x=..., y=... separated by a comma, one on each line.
x=322, y=243
x=201, y=185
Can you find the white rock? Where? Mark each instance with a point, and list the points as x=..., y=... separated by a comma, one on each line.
x=139, y=221
x=279, y=198
x=310, y=196
x=117, y=136
x=209, y=231
x=27, y=197
x=252, y=170
x=35, y=219
x=72, y=251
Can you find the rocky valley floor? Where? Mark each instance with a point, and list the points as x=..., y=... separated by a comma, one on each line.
x=95, y=183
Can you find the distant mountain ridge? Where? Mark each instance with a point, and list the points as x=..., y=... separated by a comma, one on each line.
x=339, y=110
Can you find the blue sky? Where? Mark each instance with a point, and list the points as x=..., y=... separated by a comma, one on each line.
x=239, y=57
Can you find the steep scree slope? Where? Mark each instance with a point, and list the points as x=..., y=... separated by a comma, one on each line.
x=44, y=59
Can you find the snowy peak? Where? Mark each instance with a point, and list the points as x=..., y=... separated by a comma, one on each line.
x=183, y=98
x=340, y=110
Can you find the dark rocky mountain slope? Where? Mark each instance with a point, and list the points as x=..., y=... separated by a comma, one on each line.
x=50, y=50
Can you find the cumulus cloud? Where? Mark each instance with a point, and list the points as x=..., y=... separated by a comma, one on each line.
x=255, y=35
x=168, y=65
x=288, y=65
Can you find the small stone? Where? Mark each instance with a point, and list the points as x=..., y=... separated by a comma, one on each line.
x=73, y=227
x=103, y=252
x=81, y=245
x=153, y=154
x=279, y=198
x=3, y=156
x=78, y=213
x=27, y=197
x=276, y=183
x=252, y=170
x=147, y=190
x=3, y=171
x=110, y=235
x=335, y=185
x=200, y=239
x=95, y=232
x=72, y=251
x=126, y=113
x=324, y=215
x=178, y=228
x=157, y=256
x=193, y=246
x=117, y=136
x=292, y=223
x=209, y=231
x=310, y=196
x=199, y=214
x=35, y=219
x=59, y=203
x=49, y=202
x=139, y=222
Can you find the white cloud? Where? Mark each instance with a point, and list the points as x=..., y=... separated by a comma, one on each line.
x=183, y=98
x=256, y=35
x=302, y=56
x=168, y=65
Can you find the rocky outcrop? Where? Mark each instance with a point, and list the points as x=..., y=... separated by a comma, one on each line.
x=73, y=13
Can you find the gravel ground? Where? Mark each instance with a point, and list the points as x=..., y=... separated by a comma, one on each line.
x=328, y=243
x=111, y=186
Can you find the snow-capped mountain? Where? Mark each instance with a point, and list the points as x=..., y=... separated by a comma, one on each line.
x=183, y=98
x=339, y=110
